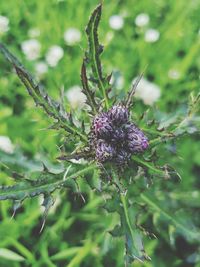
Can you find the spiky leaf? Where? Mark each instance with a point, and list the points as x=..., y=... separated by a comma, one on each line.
x=45, y=184
x=41, y=98
x=127, y=228
x=87, y=91
x=93, y=54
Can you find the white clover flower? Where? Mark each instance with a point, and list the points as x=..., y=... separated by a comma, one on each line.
x=4, y=24
x=41, y=68
x=116, y=22
x=147, y=91
x=142, y=20
x=72, y=36
x=75, y=97
x=34, y=32
x=6, y=144
x=151, y=36
x=54, y=55
x=31, y=48
x=174, y=74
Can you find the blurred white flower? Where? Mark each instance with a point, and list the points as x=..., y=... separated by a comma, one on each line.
x=4, y=24
x=120, y=82
x=117, y=80
x=124, y=13
x=108, y=38
x=116, y=22
x=151, y=35
x=34, y=32
x=72, y=36
x=31, y=48
x=147, y=91
x=6, y=144
x=75, y=97
x=174, y=74
x=142, y=20
x=79, y=161
x=54, y=55
x=41, y=68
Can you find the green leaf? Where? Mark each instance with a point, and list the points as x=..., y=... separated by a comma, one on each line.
x=93, y=54
x=134, y=245
x=41, y=98
x=127, y=228
x=47, y=203
x=66, y=253
x=46, y=184
x=10, y=255
x=188, y=232
x=117, y=231
x=86, y=90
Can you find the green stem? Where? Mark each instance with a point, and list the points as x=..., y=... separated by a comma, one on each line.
x=137, y=253
x=146, y=164
x=23, y=250
x=155, y=132
x=83, y=252
x=125, y=208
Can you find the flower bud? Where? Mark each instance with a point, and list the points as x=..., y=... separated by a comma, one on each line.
x=104, y=151
x=102, y=126
x=118, y=135
x=118, y=114
x=122, y=157
x=136, y=140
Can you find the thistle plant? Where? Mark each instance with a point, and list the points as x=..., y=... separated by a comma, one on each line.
x=121, y=148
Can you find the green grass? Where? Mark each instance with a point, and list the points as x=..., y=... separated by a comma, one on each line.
x=77, y=233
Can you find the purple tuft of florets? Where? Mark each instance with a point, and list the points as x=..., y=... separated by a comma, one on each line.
x=115, y=138
x=102, y=126
x=118, y=135
x=104, y=151
x=122, y=156
x=118, y=114
x=136, y=140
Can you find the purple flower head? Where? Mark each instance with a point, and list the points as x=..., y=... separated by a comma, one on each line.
x=119, y=135
x=136, y=140
x=115, y=138
x=118, y=115
x=102, y=126
x=122, y=156
x=104, y=151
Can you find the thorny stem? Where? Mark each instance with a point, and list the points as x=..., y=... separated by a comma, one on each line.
x=123, y=198
x=157, y=132
x=158, y=139
x=146, y=164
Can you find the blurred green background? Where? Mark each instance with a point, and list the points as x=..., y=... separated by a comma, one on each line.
x=48, y=37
